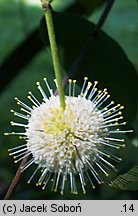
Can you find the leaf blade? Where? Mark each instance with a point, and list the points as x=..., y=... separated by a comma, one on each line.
x=127, y=181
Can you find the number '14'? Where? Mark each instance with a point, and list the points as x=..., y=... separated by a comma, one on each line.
x=130, y=208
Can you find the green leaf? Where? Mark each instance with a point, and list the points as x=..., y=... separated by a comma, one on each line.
x=127, y=181
x=106, y=62
x=91, y=5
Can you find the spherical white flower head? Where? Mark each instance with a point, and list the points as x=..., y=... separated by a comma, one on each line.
x=58, y=138
x=70, y=142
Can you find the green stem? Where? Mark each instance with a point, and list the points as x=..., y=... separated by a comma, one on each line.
x=54, y=51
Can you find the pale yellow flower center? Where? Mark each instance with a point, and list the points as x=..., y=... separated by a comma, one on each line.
x=58, y=121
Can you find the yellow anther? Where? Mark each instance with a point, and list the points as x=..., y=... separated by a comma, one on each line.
x=61, y=192
x=70, y=80
x=89, y=83
x=105, y=90
x=122, y=107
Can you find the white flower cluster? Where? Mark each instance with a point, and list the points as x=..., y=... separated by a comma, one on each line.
x=70, y=142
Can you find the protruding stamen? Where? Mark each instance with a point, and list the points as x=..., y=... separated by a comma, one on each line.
x=93, y=90
x=16, y=161
x=19, y=102
x=117, y=146
x=109, y=164
x=113, y=125
x=97, y=97
x=18, y=151
x=87, y=89
x=28, y=164
x=117, y=107
x=70, y=86
x=48, y=87
x=19, y=155
x=30, y=179
x=102, y=153
x=63, y=182
x=106, y=98
x=47, y=180
x=107, y=106
x=101, y=168
x=118, y=131
x=18, y=124
x=73, y=183
x=113, y=120
x=42, y=177
x=92, y=95
x=82, y=181
x=114, y=139
x=13, y=133
x=89, y=178
x=112, y=116
x=20, y=115
x=41, y=91
x=18, y=147
x=34, y=99
x=31, y=99
x=74, y=86
x=26, y=111
x=57, y=180
x=94, y=173
x=84, y=83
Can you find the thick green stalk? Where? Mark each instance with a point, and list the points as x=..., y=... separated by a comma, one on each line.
x=54, y=51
